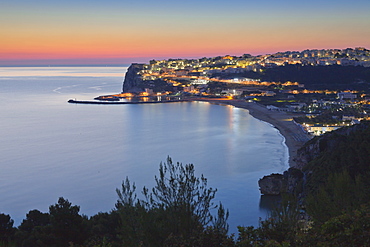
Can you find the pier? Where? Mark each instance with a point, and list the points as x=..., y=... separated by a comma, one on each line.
x=73, y=101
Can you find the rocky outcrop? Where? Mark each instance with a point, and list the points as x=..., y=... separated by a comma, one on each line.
x=275, y=184
x=132, y=78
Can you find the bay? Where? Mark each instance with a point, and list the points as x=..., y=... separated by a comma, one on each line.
x=50, y=148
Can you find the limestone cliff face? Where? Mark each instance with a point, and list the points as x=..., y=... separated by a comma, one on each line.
x=273, y=184
x=132, y=78
x=308, y=152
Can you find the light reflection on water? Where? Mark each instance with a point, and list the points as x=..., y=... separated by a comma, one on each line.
x=50, y=148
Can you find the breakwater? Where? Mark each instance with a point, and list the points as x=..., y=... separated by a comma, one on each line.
x=121, y=102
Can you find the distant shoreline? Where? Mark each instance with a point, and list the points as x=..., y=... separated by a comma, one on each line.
x=294, y=136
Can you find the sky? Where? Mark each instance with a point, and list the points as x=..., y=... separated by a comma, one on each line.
x=71, y=32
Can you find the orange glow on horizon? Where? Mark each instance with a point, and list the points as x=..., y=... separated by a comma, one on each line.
x=80, y=39
x=69, y=42
x=85, y=42
x=111, y=30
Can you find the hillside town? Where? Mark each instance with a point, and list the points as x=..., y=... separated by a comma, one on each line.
x=316, y=109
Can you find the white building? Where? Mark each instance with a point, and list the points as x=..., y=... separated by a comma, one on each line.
x=318, y=130
x=346, y=96
x=232, y=92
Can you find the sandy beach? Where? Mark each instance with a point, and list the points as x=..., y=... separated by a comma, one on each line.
x=294, y=136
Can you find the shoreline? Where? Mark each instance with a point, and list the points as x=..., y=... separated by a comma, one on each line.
x=294, y=136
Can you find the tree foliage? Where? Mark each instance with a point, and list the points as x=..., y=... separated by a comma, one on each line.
x=333, y=76
x=315, y=77
x=337, y=179
x=177, y=207
x=339, y=194
x=6, y=229
x=178, y=189
x=66, y=224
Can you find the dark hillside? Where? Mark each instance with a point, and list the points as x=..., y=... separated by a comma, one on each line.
x=347, y=149
x=333, y=76
x=313, y=77
x=337, y=171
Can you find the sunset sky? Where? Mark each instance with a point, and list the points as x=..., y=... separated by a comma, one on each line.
x=45, y=32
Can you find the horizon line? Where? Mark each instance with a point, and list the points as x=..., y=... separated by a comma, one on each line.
x=117, y=62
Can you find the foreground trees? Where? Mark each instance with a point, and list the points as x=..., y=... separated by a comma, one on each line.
x=6, y=229
x=121, y=228
x=60, y=227
x=348, y=229
x=176, y=210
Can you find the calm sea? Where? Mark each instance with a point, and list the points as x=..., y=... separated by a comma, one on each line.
x=50, y=148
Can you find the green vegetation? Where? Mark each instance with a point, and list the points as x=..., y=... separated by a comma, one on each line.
x=313, y=77
x=320, y=77
x=333, y=209
x=337, y=178
x=177, y=209
x=335, y=197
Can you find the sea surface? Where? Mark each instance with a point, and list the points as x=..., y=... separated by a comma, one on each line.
x=50, y=148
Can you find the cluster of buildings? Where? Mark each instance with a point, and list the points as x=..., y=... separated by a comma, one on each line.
x=206, y=67
x=356, y=57
x=193, y=77
x=186, y=72
x=323, y=115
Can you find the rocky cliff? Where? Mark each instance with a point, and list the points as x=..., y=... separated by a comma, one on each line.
x=132, y=78
x=326, y=143
x=288, y=182
x=344, y=149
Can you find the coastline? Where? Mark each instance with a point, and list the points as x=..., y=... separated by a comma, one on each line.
x=294, y=136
